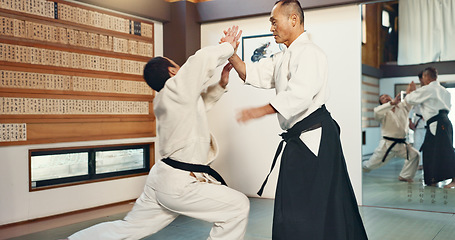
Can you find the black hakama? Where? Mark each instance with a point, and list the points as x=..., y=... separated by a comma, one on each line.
x=438, y=153
x=314, y=198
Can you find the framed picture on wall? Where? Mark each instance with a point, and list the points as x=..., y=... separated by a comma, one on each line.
x=259, y=46
x=402, y=87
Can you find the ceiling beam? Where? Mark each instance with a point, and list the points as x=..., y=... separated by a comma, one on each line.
x=158, y=10
x=221, y=10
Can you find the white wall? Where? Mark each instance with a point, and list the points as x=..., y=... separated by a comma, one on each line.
x=18, y=204
x=247, y=150
x=372, y=137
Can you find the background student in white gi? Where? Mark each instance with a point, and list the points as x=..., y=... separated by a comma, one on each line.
x=393, y=116
x=183, y=97
x=314, y=197
x=418, y=125
x=437, y=148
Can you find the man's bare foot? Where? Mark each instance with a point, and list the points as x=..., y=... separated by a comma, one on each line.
x=450, y=185
x=404, y=179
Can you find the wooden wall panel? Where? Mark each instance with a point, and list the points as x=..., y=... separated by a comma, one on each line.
x=371, y=52
x=69, y=72
x=370, y=100
x=78, y=131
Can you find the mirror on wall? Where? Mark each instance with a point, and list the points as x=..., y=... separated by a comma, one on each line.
x=381, y=186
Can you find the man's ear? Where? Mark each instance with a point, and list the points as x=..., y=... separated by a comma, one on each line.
x=172, y=71
x=294, y=20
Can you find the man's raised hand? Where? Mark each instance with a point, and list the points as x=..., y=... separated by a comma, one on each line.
x=232, y=36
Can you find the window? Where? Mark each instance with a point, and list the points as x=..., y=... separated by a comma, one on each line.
x=62, y=167
x=364, y=24
x=385, y=19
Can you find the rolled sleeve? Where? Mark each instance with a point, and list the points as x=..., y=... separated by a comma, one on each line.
x=212, y=95
x=381, y=110
x=418, y=96
x=260, y=74
x=194, y=75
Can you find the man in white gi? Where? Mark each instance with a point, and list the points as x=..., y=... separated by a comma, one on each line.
x=418, y=125
x=393, y=115
x=314, y=197
x=182, y=183
x=437, y=148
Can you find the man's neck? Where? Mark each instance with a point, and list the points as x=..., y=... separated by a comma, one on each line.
x=294, y=37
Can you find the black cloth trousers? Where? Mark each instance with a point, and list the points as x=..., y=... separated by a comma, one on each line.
x=314, y=196
x=437, y=150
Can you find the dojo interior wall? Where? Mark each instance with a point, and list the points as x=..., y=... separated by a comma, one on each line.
x=246, y=151
x=18, y=204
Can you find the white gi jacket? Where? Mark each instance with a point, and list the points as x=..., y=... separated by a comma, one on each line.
x=413, y=116
x=299, y=76
x=393, y=124
x=183, y=130
x=432, y=98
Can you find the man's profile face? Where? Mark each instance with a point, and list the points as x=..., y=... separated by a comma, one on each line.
x=385, y=98
x=281, y=26
x=426, y=79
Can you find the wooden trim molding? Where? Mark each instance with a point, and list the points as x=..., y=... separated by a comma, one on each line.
x=394, y=70
x=371, y=71
x=221, y=10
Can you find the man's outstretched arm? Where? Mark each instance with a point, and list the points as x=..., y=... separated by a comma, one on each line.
x=238, y=65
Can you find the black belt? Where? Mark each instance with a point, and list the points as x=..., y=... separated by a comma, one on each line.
x=194, y=168
x=420, y=118
x=442, y=113
x=395, y=142
x=311, y=122
x=440, y=116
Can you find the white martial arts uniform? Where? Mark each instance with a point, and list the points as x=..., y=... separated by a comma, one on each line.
x=299, y=75
x=419, y=131
x=432, y=98
x=437, y=150
x=394, y=125
x=180, y=108
x=300, y=88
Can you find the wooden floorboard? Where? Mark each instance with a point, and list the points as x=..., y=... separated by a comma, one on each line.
x=32, y=226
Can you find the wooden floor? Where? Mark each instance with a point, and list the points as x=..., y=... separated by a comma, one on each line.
x=14, y=230
x=380, y=224
x=392, y=210
x=381, y=188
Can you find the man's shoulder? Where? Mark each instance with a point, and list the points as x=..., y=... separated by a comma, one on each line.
x=309, y=49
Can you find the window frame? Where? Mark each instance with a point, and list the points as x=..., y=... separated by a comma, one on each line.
x=91, y=176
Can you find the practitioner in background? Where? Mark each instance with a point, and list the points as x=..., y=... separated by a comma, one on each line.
x=437, y=148
x=393, y=116
x=314, y=198
x=417, y=124
x=182, y=182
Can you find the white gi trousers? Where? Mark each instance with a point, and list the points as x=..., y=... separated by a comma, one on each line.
x=226, y=208
x=419, y=136
x=399, y=150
